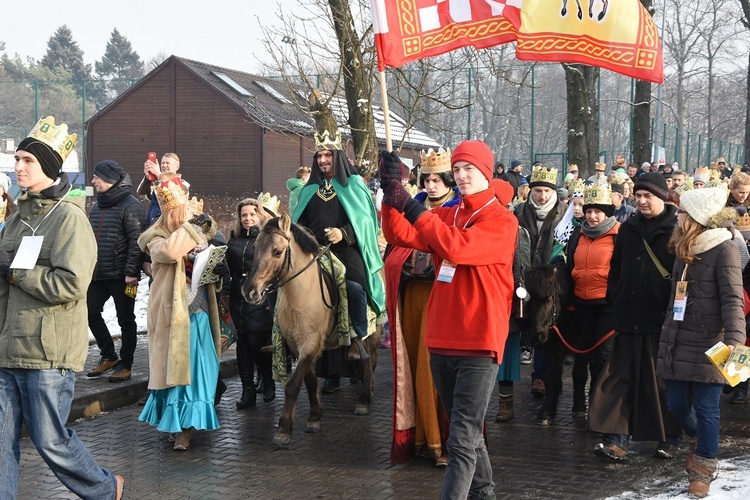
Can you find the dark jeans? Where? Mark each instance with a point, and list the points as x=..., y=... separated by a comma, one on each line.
x=357, y=298
x=99, y=292
x=593, y=322
x=465, y=385
x=695, y=405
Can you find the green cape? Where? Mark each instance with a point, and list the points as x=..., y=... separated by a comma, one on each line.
x=360, y=209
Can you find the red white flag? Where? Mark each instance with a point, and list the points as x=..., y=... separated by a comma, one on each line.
x=618, y=35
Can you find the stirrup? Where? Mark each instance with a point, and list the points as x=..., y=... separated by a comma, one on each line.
x=363, y=354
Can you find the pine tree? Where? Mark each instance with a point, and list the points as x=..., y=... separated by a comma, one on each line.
x=119, y=62
x=63, y=53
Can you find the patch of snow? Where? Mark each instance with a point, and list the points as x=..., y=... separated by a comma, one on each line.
x=110, y=314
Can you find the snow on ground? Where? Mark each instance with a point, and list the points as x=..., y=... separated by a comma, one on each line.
x=732, y=484
x=110, y=314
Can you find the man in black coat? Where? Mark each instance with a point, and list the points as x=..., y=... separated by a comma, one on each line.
x=514, y=175
x=629, y=399
x=117, y=219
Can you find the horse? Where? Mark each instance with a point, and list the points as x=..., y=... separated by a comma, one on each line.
x=550, y=293
x=286, y=258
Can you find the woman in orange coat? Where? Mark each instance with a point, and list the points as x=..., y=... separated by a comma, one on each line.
x=589, y=252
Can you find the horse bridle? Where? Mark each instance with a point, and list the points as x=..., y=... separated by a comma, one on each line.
x=277, y=282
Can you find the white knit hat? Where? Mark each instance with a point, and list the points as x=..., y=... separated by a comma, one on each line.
x=4, y=182
x=702, y=204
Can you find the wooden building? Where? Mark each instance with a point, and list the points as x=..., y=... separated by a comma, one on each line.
x=235, y=133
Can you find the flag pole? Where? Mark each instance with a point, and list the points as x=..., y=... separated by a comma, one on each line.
x=386, y=114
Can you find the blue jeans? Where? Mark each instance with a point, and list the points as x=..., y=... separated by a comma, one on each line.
x=465, y=385
x=41, y=399
x=355, y=294
x=695, y=405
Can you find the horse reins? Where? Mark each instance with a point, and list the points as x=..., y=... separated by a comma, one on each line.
x=277, y=281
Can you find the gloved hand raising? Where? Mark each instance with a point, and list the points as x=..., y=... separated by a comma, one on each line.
x=391, y=168
x=396, y=196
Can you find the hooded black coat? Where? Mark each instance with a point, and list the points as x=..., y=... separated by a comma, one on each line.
x=635, y=286
x=117, y=220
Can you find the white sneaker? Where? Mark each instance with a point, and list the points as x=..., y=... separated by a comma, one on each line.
x=526, y=357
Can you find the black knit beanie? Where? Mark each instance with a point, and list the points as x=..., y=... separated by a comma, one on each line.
x=653, y=182
x=108, y=171
x=49, y=159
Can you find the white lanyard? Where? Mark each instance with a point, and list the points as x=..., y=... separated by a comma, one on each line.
x=455, y=215
x=33, y=229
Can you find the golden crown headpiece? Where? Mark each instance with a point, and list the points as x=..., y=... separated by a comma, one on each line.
x=576, y=186
x=720, y=159
x=324, y=141
x=684, y=187
x=743, y=222
x=600, y=167
x=54, y=136
x=270, y=203
x=701, y=174
x=196, y=205
x=435, y=162
x=3, y=208
x=572, y=167
x=540, y=173
x=597, y=194
x=170, y=191
x=715, y=182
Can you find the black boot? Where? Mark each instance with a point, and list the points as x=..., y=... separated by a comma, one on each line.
x=269, y=387
x=740, y=393
x=221, y=388
x=247, y=399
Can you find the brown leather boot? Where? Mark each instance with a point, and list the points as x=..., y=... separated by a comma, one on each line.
x=701, y=471
x=505, y=411
x=182, y=441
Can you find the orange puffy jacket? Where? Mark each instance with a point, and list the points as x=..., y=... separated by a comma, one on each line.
x=591, y=264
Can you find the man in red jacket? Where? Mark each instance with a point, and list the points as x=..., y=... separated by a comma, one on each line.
x=468, y=311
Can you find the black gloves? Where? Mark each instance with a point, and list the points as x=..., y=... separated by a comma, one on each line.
x=391, y=168
x=4, y=264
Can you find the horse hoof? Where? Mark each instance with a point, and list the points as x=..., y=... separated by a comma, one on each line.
x=282, y=440
x=362, y=410
x=313, y=427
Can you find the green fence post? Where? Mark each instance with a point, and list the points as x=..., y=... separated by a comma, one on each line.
x=531, y=142
x=83, y=130
x=632, y=107
x=36, y=100
x=700, y=148
x=708, y=150
x=687, y=152
x=468, y=125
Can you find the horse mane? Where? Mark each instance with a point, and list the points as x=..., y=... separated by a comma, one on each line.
x=302, y=235
x=548, y=281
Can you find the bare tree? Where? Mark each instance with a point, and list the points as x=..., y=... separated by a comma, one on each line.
x=583, y=124
x=745, y=20
x=642, y=112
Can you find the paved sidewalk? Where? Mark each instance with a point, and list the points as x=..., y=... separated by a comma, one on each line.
x=349, y=458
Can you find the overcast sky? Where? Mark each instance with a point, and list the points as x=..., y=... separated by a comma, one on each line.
x=221, y=32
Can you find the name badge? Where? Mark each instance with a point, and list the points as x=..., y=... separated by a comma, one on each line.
x=27, y=253
x=680, y=300
x=447, y=271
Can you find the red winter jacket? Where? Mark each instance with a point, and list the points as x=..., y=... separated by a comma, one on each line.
x=472, y=313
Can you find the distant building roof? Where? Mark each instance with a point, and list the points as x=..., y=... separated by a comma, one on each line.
x=271, y=105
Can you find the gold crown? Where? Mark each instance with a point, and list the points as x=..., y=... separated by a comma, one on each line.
x=324, y=141
x=540, y=173
x=720, y=159
x=270, y=203
x=715, y=182
x=701, y=174
x=56, y=137
x=170, y=191
x=3, y=208
x=600, y=167
x=743, y=223
x=572, y=167
x=597, y=194
x=684, y=187
x=196, y=206
x=576, y=186
x=435, y=162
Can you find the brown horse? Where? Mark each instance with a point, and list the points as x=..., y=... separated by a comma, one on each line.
x=285, y=259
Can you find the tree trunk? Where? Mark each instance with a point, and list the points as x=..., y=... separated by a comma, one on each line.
x=357, y=87
x=583, y=127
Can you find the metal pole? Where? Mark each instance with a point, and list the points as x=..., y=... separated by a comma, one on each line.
x=632, y=108
x=659, y=87
x=468, y=125
x=36, y=100
x=676, y=143
x=653, y=128
x=687, y=152
x=664, y=140
x=531, y=154
x=83, y=130
x=708, y=150
x=700, y=148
